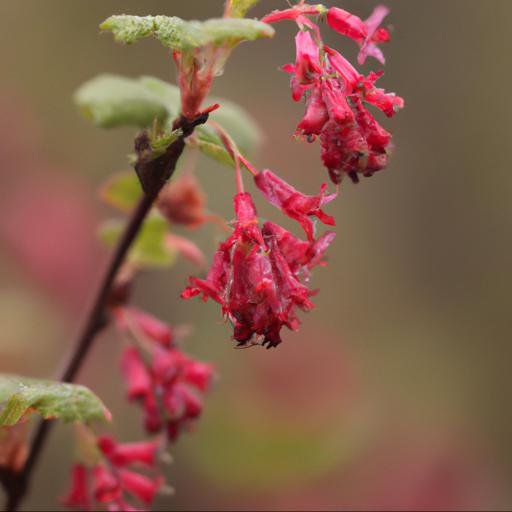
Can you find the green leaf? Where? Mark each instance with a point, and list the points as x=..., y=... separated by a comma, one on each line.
x=148, y=98
x=50, y=399
x=239, y=8
x=234, y=119
x=232, y=31
x=168, y=94
x=149, y=248
x=180, y=35
x=129, y=29
x=210, y=144
x=110, y=101
x=160, y=142
x=122, y=190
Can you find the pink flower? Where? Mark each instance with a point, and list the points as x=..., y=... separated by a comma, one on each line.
x=106, y=486
x=346, y=72
x=300, y=255
x=336, y=94
x=136, y=376
x=251, y=278
x=78, y=495
x=293, y=13
x=374, y=35
x=351, y=139
x=388, y=103
x=139, y=485
x=347, y=24
x=316, y=115
x=198, y=374
x=169, y=384
x=166, y=366
x=307, y=64
x=111, y=481
x=124, y=454
x=296, y=205
x=366, y=33
x=153, y=421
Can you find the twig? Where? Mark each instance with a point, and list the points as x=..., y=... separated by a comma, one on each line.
x=153, y=173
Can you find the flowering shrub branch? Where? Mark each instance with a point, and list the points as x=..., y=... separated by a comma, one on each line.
x=260, y=274
x=159, y=169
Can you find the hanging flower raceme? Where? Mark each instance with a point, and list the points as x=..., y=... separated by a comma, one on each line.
x=109, y=481
x=167, y=383
x=337, y=95
x=258, y=288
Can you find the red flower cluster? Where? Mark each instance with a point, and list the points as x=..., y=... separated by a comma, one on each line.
x=256, y=273
x=110, y=483
x=337, y=94
x=169, y=384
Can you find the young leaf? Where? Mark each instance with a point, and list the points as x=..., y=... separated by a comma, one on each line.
x=161, y=142
x=129, y=29
x=70, y=402
x=122, y=190
x=239, y=8
x=168, y=94
x=232, y=31
x=111, y=101
x=210, y=144
x=149, y=248
x=147, y=97
x=233, y=118
x=180, y=35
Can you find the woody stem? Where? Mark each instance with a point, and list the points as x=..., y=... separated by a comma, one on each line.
x=153, y=173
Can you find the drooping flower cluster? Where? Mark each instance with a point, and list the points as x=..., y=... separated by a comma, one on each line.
x=167, y=383
x=258, y=274
x=112, y=480
x=337, y=95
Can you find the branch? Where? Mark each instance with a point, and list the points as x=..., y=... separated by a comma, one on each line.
x=153, y=173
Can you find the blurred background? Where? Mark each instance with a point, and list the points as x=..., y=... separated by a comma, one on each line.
x=395, y=394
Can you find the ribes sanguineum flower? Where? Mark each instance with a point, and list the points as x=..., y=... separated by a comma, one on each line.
x=294, y=13
x=366, y=33
x=293, y=203
x=375, y=34
x=124, y=454
x=346, y=23
x=168, y=385
x=252, y=280
x=337, y=95
x=78, y=496
x=108, y=481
